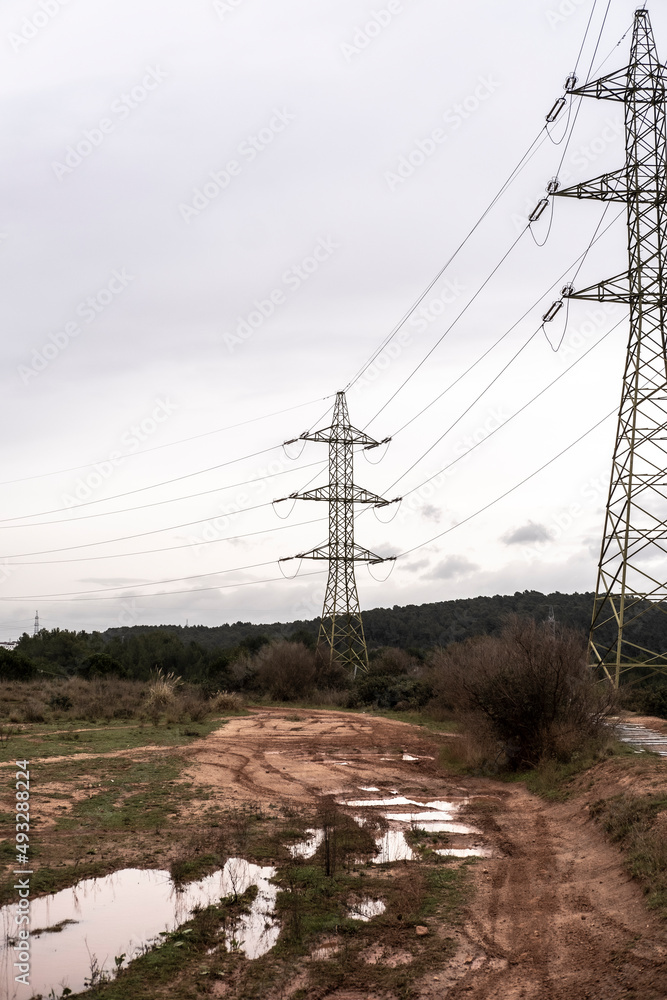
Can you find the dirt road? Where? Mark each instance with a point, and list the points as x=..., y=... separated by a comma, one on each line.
x=554, y=915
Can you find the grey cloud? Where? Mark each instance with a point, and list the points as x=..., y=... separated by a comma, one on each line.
x=527, y=534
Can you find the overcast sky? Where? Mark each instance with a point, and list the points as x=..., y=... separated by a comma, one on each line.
x=213, y=215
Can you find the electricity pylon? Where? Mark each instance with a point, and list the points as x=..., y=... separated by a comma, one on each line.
x=631, y=593
x=341, y=631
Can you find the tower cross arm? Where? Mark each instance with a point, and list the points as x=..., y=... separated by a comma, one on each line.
x=359, y=554
x=617, y=87
x=331, y=435
x=612, y=290
x=355, y=495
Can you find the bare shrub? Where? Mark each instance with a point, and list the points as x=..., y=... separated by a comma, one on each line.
x=285, y=670
x=530, y=690
x=34, y=711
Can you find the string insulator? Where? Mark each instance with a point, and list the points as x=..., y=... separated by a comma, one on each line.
x=556, y=109
x=553, y=185
x=566, y=291
x=538, y=210
x=570, y=83
x=552, y=311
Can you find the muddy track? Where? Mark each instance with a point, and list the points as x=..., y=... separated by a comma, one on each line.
x=554, y=915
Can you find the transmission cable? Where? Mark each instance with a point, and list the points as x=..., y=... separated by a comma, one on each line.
x=168, y=593
x=527, y=156
x=525, y=406
x=492, y=503
x=169, y=444
x=159, y=503
x=168, y=548
x=579, y=260
x=450, y=327
x=167, y=482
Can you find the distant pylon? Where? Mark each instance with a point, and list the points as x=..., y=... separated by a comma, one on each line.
x=629, y=621
x=341, y=628
x=35, y=632
x=551, y=620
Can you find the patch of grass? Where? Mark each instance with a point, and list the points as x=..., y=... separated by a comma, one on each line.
x=634, y=822
x=38, y=741
x=552, y=780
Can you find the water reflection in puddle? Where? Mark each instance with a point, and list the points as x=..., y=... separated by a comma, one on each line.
x=366, y=909
x=307, y=848
x=123, y=913
x=465, y=852
x=393, y=847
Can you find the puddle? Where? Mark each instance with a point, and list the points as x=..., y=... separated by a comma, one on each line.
x=366, y=909
x=466, y=852
x=641, y=738
x=393, y=847
x=395, y=800
x=408, y=756
x=368, y=788
x=432, y=822
x=307, y=848
x=122, y=914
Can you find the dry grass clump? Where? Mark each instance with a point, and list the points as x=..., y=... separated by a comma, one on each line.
x=162, y=689
x=227, y=701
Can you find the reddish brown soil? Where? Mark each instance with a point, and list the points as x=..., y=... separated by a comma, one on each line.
x=555, y=915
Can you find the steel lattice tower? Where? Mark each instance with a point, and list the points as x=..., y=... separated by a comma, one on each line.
x=631, y=592
x=341, y=631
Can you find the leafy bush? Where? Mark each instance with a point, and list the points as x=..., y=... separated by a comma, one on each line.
x=649, y=699
x=529, y=690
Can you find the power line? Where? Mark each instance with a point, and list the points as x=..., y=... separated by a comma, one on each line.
x=142, y=489
x=169, y=548
x=527, y=156
x=169, y=444
x=451, y=326
x=159, y=503
x=171, y=593
x=415, y=489
x=580, y=260
x=507, y=492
